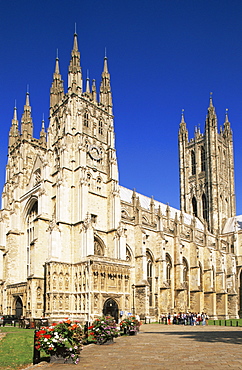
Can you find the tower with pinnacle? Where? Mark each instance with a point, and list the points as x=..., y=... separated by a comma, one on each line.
x=207, y=172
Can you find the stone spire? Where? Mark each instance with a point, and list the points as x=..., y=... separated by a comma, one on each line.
x=105, y=88
x=57, y=88
x=14, y=131
x=74, y=74
x=26, y=122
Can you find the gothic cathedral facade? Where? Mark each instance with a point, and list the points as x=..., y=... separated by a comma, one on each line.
x=73, y=242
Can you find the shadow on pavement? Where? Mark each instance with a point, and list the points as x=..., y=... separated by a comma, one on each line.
x=232, y=337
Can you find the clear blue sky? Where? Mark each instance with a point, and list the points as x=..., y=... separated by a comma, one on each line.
x=163, y=56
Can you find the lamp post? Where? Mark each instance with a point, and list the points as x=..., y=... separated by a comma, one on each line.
x=133, y=308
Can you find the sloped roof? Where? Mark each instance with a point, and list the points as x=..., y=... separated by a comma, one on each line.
x=233, y=224
x=126, y=196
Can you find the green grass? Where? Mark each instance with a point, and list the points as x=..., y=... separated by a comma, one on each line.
x=234, y=322
x=16, y=348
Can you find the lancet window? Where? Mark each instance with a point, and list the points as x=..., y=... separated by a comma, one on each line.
x=185, y=271
x=168, y=269
x=193, y=162
x=86, y=119
x=194, y=206
x=100, y=127
x=205, y=207
x=203, y=159
x=31, y=232
x=150, y=275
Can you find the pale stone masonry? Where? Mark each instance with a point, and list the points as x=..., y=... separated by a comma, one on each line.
x=73, y=242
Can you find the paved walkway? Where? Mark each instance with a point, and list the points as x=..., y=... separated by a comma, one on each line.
x=164, y=347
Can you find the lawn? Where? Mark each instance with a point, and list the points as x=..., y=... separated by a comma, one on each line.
x=230, y=322
x=16, y=348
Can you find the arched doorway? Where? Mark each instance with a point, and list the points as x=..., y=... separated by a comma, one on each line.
x=19, y=307
x=110, y=308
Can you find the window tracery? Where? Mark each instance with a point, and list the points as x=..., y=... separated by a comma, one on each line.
x=86, y=119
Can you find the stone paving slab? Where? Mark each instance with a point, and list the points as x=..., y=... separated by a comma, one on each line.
x=168, y=347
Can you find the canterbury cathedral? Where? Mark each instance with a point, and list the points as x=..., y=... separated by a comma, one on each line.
x=74, y=243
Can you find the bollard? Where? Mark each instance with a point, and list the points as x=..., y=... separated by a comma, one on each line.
x=36, y=354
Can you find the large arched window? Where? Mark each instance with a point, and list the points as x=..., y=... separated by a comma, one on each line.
x=202, y=159
x=168, y=269
x=150, y=274
x=200, y=277
x=31, y=232
x=193, y=162
x=185, y=271
x=194, y=206
x=205, y=207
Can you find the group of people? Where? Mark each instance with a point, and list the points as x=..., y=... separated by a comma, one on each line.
x=189, y=318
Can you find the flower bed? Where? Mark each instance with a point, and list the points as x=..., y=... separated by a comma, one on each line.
x=63, y=339
x=130, y=325
x=103, y=330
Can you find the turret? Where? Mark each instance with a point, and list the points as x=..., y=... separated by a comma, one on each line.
x=88, y=93
x=42, y=132
x=94, y=91
x=105, y=88
x=227, y=130
x=211, y=119
x=26, y=122
x=57, y=88
x=14, y=131
x=74, y=74
x=183, y=141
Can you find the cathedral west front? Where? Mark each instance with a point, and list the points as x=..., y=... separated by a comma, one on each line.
x=75, y=243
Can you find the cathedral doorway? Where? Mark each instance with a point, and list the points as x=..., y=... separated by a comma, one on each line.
x=110, y=308
x=18, y=307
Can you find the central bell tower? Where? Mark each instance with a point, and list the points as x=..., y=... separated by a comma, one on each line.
x=82, y=144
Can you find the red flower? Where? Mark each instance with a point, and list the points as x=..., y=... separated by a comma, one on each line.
x=91, y=327
x=48, y=336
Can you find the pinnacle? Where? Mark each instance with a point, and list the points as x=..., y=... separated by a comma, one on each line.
x=75, y=44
